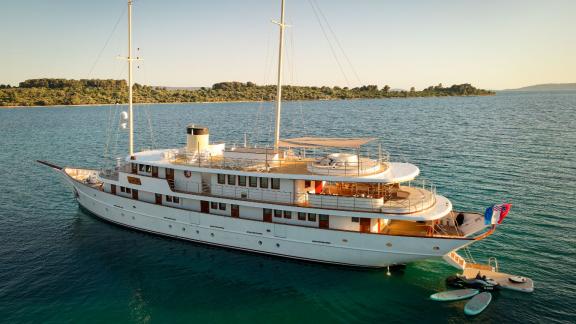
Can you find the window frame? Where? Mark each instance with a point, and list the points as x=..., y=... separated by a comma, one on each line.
x=242, y=181
x=266, y=183
x=312, y=217
x=231, y=177
x=355, y=219
x=250, y=178
x=277, y=213
x=221, y=178
x=287, y=214
x=221, y=206
x=213, y=205
x=301, y=216
x=275, y=183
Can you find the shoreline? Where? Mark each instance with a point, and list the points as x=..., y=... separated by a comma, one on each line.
x=231, y=101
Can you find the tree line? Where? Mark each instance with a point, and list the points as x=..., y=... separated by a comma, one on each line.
x=46, y=92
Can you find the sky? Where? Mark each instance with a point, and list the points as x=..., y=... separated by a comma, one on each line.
x=491, y=44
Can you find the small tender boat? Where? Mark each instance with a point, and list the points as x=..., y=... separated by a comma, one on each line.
x=454, y=294
x=478, y=304
x=518, y=279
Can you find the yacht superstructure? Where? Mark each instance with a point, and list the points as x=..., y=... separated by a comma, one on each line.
x=332, y=200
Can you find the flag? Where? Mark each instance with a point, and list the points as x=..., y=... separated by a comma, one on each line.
x=495, y=214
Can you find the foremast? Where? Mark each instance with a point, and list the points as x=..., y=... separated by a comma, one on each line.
x=130, y=110
x=279, y=81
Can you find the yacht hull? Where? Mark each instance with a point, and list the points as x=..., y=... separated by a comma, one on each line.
x=297, y=242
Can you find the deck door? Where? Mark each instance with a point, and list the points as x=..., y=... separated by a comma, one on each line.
x=155, y=171
x=169, y=174
x=158, y=199
x=365, y=225
x=204, y=207
x=234, y=210
x=324, y=221
x=134, y=194
x=267, y=215
x=113, y=189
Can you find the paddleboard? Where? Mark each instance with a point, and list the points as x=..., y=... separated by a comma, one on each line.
x=478, y=303
x=454, y=294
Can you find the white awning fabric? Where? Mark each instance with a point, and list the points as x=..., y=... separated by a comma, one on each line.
x=311, y=142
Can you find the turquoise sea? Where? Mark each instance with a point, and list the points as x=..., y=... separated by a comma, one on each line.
x=61, y=265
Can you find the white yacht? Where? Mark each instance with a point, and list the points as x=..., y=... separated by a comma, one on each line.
x=331, y=200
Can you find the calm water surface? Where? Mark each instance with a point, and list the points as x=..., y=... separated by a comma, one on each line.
x=58, y=264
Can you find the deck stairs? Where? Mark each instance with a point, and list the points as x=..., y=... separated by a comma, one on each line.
x=471, y=268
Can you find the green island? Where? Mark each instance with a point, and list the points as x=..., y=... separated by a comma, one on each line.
x=50, y=92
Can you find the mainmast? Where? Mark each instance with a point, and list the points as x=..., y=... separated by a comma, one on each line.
x=130, y=111
x=279, y=83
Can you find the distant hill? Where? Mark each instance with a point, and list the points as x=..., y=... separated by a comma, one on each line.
x=47, y=92
x=548, y=87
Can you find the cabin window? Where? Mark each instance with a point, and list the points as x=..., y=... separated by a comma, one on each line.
x=307, y=183
x=214, y=205
x=311, y=217
x=287, y=214
x=302, y=216
x=277, y=213
x=267, y=211
x=168, y=198
x=264, y=183
x=148, y=168
x=231, y=179
x=275, y=183
x=253, y=181
x=140, y=167
x=222, y=206
x=122, y=189
x=221, y=179
x=355, y=220
x=324, y=218
x=128, y=190
x=176, y=200
x=242, y=181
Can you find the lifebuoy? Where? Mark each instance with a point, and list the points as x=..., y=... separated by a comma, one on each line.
x=187, y=174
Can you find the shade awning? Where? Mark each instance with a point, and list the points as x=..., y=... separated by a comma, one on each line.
x=311, y=142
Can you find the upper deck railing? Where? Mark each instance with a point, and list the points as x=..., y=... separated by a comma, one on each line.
x=285, y=163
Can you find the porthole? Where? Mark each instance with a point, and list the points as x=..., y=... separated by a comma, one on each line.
x=389, y=244
x=170, y=225
x=183, y=229
x=133, y=217
x=277, y=245
x=345, y=240
x=197, y=232
x=212, y=234
x=436, y=248
x=259, y=242
x=268, y=230
x=133, y=206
